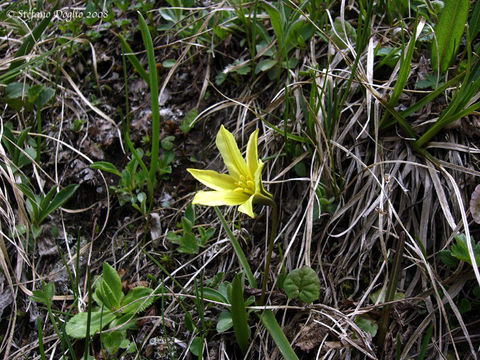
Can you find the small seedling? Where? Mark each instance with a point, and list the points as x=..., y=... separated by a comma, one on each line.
x=189, y=242
x=115, y=309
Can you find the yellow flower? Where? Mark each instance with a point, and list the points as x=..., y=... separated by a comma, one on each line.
x=243, y=183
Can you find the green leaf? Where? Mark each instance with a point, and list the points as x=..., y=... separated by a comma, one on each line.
x=137, y=300
x=168, y=143
x=367, y=324
x=339, y=36
x=265, y=65
x=447, y=258
x=153, y=82
x=464, y=306
x=34, y=36
x=188, y=321
x=196, y=347
x=238, y=249
x=214, y=295
x=379, y=296
x=190, y=214
x=109, y=290
x=60, y=198
x=15, y=90
x=188, y=121
x=239, y=313
x=77, y=326
x=475, y=21
x=275, y=331
x=113, y=340
x=45, y=295
x=303, y=283
x=168, y=63
x=224, y=322
x=106, y=166
x=449, y=31
x=460, y=249
x=133, y=59
x=45, y=96
x=90, y=10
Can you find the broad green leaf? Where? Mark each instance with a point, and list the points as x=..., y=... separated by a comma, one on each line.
x=460, y=249
x=239, y=313
x=109, y=290
x=15, y=90
x=265, y=65
x=302, y=283
x=196, y=347
x=275, y=331
x=106, y=166
x=446, y=257
x=77, y=326
x=448, y=32
x=214, y=295
x=224, y=322
x=137, y=300
x=367, y=324
x=45, y=96
x=112, y=340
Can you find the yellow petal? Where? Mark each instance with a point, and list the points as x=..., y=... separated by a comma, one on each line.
x=247, y=207
x=231, y=155
x=213, y=179
x=252, y=152
x=219, y=198
x=258, y=181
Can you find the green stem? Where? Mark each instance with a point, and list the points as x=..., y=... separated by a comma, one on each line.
x=238, y=249
x=273, y=235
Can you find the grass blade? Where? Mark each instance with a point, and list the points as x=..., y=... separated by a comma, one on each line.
x=239, y=313
x=133, y=60
x=449, y=31
x=153, y=81
x=275, y=331
x=27, y=45
x=404, y=72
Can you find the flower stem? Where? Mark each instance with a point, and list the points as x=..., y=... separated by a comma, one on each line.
x=238, y=249
x=273, y=235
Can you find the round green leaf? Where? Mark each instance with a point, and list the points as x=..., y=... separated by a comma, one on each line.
x=303, y=283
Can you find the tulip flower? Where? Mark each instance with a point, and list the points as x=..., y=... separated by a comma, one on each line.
x=242, y=186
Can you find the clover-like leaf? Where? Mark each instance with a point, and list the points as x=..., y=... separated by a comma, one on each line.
x=303, y=283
